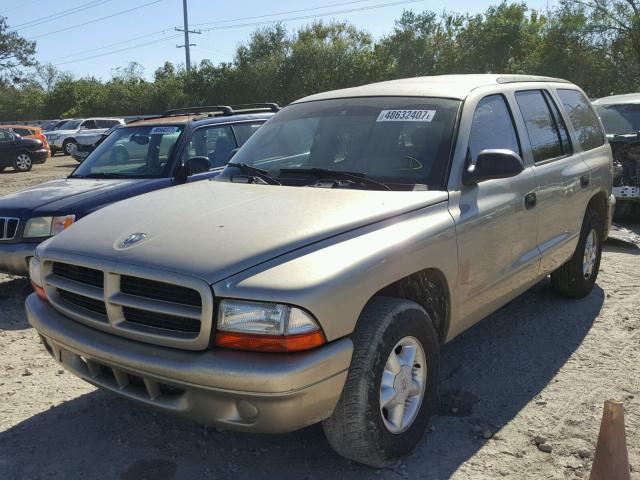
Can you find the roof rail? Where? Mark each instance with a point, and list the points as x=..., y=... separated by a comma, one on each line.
x=258, y=107
x=528, y=78
x=226, y=110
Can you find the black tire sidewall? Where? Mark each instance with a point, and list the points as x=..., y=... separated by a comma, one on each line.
x=411, y=322
x=591, y=221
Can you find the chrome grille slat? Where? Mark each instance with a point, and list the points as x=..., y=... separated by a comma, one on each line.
x=162, y=310
x=9, y=227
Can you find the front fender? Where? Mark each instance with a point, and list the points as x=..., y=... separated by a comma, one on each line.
x=336, y=277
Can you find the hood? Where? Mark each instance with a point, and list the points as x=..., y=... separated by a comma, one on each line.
x=52, y=196
x=212, y=230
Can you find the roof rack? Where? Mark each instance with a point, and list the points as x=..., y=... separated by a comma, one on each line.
x=224, y=109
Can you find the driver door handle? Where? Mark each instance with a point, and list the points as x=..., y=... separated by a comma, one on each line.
x=530, y=200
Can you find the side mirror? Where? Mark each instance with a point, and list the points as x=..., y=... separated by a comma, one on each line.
x=197, y=165
x=491, y=164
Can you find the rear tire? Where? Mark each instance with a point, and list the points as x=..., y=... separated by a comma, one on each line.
x=361, y=428
x=22, y=162
x=2, y=169
x=576, y=278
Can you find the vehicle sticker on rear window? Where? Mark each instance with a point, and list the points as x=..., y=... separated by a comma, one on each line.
x=163, y=130
x=406, y=116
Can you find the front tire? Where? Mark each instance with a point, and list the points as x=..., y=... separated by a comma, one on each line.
x=22, y=162
x=576, y=278
x=68, y=146
x=391, y=388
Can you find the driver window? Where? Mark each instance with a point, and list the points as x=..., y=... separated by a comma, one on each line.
x=492, y=127
x=215, y=143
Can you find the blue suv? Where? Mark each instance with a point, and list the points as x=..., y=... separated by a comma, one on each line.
x=184, y=145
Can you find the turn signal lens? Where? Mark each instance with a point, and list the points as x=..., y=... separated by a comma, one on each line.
x=270, y=343
x=266, y=327
x=60, y=224
x=36, y=278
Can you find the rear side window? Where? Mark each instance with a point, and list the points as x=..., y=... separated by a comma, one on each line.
x=244, y=131
x=492, y=127
x=560, y=125
x=23, y=131
x=541, y=126
x=106, y=123
x=583, y=118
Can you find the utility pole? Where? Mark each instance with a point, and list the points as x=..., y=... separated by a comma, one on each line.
x=186, y=36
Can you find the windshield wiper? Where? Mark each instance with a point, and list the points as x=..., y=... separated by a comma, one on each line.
x=254, y=172
x=102, y=175
x=354, y=177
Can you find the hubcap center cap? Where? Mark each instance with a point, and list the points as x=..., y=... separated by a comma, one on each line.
x=402, y=383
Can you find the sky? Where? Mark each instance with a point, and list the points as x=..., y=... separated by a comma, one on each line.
x=74, y=36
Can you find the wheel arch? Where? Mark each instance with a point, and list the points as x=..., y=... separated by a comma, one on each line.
x=598, y=203
x=429, y=289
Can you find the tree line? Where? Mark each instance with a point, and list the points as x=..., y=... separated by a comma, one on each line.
x=593, y=43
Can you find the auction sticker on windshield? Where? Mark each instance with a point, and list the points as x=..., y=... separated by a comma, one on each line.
x=406, y=116
x=163, y=130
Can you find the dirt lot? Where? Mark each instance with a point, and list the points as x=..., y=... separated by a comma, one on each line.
x=540, y=366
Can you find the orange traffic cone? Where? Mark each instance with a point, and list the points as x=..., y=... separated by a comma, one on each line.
x=611, y=461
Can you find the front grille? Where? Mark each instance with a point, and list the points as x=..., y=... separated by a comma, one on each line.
x=8, y=228
x=159, y=320
x=87, y=303
x=79, y=274
x=170, y=310
x=165, y=292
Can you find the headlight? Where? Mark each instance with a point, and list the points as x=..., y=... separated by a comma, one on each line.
x=39, y=227
x=271, y=327
x=35, y=275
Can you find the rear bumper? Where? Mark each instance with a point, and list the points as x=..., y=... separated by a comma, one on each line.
x=40, y=156
x=14, y=257
x=235, y=390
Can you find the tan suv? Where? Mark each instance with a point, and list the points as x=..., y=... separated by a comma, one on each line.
x=316, y=277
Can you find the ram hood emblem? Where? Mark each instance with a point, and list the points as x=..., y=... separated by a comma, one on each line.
x=133, y=239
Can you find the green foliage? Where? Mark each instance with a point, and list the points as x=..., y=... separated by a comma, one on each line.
x=594, y=43
x=15, y=53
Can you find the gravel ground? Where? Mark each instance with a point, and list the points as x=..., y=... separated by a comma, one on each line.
x=541, y=366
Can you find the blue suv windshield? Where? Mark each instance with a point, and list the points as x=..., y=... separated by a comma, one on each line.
x=132, y=152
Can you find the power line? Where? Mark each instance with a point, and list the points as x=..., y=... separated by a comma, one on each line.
x=18, y=7
x=280, y=13
x=122, y=12
x=109, y=45
x=152, y=42
x=305, y=17
x=55, y=16
x=227, y=27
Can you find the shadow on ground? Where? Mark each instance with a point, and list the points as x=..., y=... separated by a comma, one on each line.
x=489, y=374
x=12, y=296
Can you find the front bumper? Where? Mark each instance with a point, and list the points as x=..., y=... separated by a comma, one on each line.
x=247, y=391
x=14, y=257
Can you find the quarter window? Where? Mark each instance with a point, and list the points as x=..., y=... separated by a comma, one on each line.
x=492, y=127
x=583, y=118
x=541, y=127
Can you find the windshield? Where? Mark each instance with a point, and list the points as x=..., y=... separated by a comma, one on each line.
x=394, y=140
x=142, y=151
x=69, y=125
x=619, y=119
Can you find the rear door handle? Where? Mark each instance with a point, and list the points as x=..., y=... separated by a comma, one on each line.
x=584, y=181
x=530, y=200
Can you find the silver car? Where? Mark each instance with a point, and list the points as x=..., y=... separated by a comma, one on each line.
x=64, y=138
x=315, y=279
